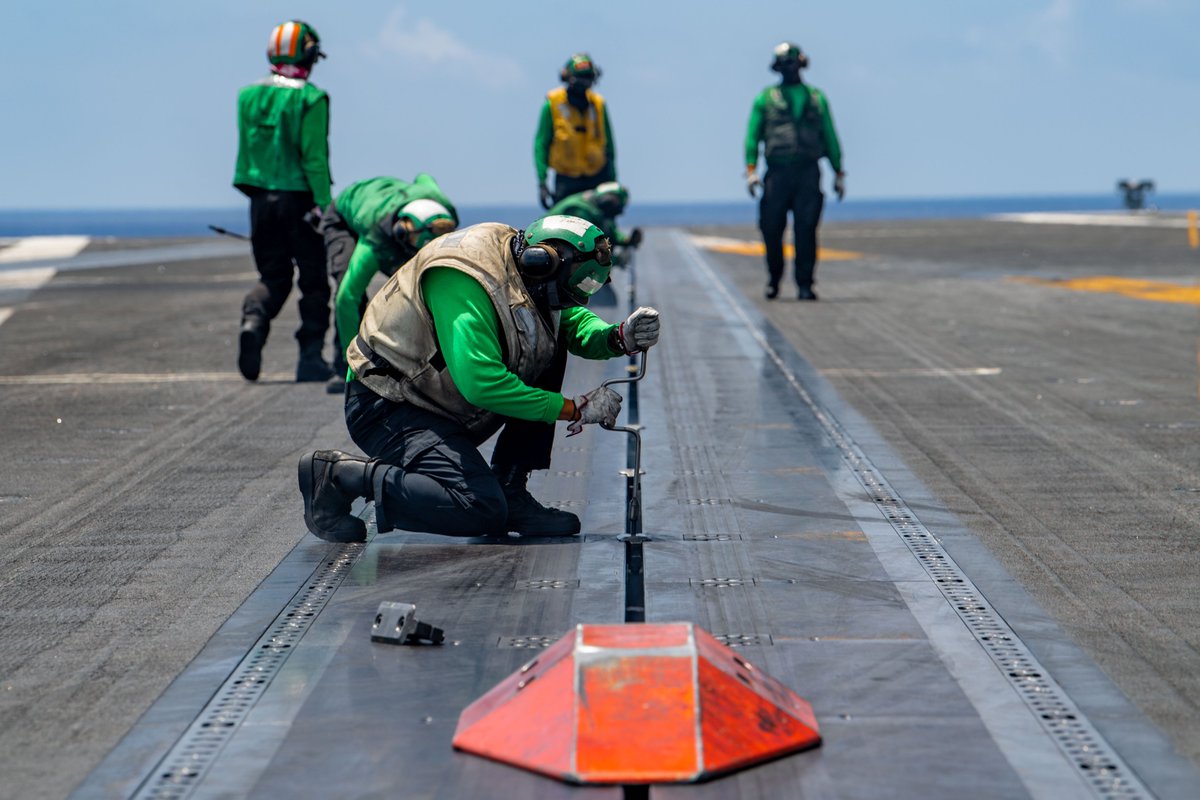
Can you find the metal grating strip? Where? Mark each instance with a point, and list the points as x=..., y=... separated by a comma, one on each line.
x=744, y=639
x=527, y=642
x=183, y=768
x=1105, y=772
x=722, y=583
x=547, y=583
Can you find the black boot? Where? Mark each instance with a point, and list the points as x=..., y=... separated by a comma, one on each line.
x=250, y=343
x=312, y=367
x=526, y=515
x=330, y=480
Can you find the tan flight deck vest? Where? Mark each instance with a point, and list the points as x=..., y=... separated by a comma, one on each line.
x=580, y=144
x=396, y=353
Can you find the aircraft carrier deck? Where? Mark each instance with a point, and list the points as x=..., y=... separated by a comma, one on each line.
x=954, y=504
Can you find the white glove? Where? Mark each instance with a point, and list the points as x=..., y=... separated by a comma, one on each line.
x=599, y=405
x=639, y=331
x=753, y=183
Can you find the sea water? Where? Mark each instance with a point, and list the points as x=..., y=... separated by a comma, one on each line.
x=139, y=223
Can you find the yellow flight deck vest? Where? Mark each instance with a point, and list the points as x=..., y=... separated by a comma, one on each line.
x=396, y=352
x=579, y=145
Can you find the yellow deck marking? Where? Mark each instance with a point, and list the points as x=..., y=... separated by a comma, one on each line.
x=849, y=536
x=741, y=247
x=794, y=471
x=1156, y=291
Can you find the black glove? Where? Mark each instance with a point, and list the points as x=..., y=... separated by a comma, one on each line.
x=635, y=238
x=544, y=195
x=312, y=218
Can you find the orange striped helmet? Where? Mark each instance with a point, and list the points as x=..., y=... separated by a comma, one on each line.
x=294, y=42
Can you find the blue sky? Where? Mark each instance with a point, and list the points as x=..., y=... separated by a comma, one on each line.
x=131, y=104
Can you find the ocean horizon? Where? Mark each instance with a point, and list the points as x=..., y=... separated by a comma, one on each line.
x=171, y=222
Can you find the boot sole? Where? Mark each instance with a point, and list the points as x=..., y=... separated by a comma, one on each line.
x=307, y=486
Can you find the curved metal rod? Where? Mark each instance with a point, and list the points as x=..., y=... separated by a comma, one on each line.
x=635, y=499
x=641, y=373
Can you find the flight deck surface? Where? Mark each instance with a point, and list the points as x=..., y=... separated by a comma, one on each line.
x=782, y=518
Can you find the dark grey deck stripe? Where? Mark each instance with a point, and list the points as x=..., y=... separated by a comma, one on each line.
x=1096, y=762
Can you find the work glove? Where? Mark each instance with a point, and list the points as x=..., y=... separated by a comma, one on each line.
x=635, y=238
x=753, y=182
x=839, y=185
x=312, y=218
x=599, y=405
x=639, y=331
x=544, y=195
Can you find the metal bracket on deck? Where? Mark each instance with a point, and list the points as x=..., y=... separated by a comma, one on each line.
x=396, y=623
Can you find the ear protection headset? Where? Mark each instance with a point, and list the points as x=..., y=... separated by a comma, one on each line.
x=538, y=262
x=541, y=261
x=778, y=63
x=566, y=73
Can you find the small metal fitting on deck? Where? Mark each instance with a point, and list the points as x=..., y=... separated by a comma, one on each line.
x=396, y=623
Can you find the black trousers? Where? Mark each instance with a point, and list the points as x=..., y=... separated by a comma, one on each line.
x=565, y=186
x=795, y=188
x=283, y=244
x=439, y=482
x=339, y=246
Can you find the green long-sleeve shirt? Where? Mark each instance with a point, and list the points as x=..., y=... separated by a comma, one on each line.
x=798, y=95
x=369, y=208
x=468, y=334
x=583, y=206
x=283, y=138
x=545, y=136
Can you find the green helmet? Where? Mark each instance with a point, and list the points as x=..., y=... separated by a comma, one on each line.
x=788, y=53
x=612, y=197
x=421, y=221
x=580, y=67
x=294, y=42
x=569, y=254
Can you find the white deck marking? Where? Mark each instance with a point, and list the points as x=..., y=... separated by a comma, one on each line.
x=134, y=377
x=41, y=248
x=1121, y=219
x=910, y=372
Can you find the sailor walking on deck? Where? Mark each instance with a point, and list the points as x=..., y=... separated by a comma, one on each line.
x=283, y=167
x=374, y=226
x=470, y=338
x=793, y=121
x=574, y=135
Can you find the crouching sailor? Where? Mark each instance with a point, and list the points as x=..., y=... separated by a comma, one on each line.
x=471, y=338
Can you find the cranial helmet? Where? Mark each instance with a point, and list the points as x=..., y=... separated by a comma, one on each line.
x=787, y=53
x=421, y=221
x=569, y=255
x=612, y=197
x=580, y=69
x=294, y=42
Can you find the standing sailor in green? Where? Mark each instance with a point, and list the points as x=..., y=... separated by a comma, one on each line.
x=470, y=338
x=601, y=207
x=794, y=122
x=374, y=226
x=574, y=136
x=283, y=167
